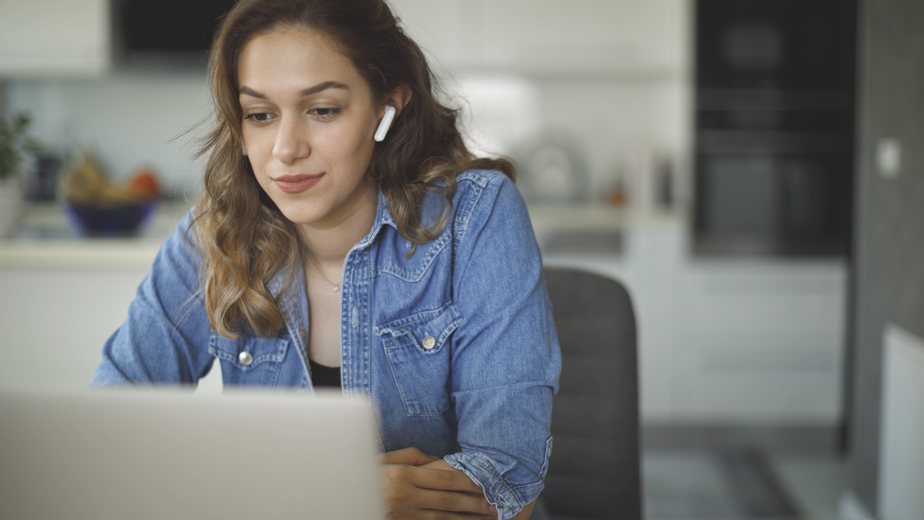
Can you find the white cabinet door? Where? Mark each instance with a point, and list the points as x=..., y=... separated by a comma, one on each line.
x=760, y=340
x=435, y=25
x=647, y=37
x=55, y=322
x=727, y=340
x=656, y=248
x=54, y=37
x=601, y=36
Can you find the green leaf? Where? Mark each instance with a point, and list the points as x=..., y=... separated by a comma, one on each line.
x=14, y=143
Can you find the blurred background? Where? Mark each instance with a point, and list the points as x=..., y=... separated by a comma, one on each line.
x=751, y=170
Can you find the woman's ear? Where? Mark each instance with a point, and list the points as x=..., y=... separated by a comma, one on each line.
x=393, y=106
x=399, y=98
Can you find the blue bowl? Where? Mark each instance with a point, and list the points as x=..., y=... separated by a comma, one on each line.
x=112, y=221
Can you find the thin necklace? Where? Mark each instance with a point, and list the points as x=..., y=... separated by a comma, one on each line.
x=336, y=286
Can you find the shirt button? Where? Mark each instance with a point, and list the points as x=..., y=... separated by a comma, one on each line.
x=429, y=342
x=245, y=358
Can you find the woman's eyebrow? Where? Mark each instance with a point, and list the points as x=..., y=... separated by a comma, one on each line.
x=251, y=92
x=323, y=86
x=307, y=92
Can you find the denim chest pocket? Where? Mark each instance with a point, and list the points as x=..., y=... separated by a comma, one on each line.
x=418, y=351
x=249, y=360
x=394, y=261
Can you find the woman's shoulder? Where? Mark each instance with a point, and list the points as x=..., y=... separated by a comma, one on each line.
x=484, y=192
x=180, y=250
x=185, y=233
x=476, y=190
x=482, y=178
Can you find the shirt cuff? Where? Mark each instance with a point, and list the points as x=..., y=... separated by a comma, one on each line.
x=508, y=500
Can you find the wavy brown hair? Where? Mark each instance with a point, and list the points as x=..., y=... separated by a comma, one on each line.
x=243, y=237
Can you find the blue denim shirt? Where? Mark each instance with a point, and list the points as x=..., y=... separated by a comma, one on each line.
x=456, y=344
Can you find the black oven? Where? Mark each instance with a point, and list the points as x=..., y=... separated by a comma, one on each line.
x=774, y=126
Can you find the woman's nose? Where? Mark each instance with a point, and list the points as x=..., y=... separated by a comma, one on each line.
x=291, y=141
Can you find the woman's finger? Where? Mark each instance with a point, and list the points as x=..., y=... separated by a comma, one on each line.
x=409, y=494
x=410, y=456
x=439, y=479
x=429, y=478
x=456, y=502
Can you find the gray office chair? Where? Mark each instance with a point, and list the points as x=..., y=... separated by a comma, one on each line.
x=594, y=471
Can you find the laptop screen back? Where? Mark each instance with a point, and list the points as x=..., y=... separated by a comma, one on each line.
x=165, y=455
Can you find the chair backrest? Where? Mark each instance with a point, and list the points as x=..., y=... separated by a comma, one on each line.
x=594, y=471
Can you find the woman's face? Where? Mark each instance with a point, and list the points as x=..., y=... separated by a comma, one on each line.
x=308, y=126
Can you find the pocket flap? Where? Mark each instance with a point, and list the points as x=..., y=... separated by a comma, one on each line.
x=419, y=328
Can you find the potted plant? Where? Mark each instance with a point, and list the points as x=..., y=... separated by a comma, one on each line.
x=14, y=144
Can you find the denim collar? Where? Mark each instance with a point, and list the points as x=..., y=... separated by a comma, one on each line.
x=382, y=216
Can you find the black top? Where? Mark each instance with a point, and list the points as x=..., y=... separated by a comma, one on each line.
x=324, y=376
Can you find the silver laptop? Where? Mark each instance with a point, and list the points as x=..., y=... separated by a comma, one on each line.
x=166, y=455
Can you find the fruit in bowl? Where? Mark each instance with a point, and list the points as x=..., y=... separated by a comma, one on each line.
x=95, y=207
x=144, y=184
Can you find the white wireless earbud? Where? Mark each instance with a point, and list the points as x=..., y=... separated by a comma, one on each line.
x=385, y=124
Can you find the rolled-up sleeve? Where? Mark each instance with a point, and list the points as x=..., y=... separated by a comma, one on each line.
x=506, y=359
x=164, y=339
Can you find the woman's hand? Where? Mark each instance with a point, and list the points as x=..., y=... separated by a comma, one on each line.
x=417, y=485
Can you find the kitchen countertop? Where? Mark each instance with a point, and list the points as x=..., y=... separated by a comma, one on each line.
x=597, y=217
x=45, y=241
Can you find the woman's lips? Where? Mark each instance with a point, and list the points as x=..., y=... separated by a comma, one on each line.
x=296, y=183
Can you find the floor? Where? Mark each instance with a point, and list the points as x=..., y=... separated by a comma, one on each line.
x=811, y=481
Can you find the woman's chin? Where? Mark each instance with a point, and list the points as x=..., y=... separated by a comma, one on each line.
x=300, y=216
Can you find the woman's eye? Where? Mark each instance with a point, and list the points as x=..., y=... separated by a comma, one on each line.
x=325, y=112
x=259, y=117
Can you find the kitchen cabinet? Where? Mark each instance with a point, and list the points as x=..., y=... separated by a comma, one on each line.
x=61, y=297
x=724, y=341
x=55, y=316
x=56, y=319
x=54, y=37
x=759, y=340
x=560, y=37
x=550, y=37
x=437, y=27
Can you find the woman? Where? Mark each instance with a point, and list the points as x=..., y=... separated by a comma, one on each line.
x=405, y=269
